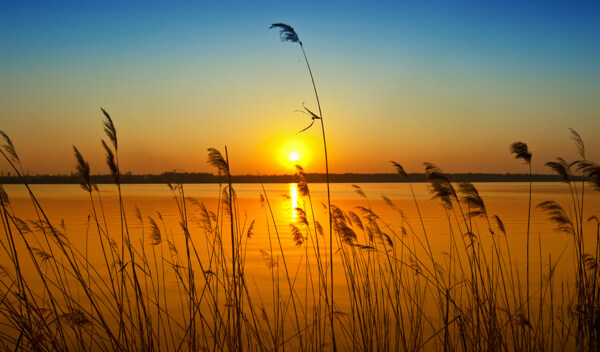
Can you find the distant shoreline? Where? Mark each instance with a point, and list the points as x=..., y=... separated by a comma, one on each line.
x=311, y=178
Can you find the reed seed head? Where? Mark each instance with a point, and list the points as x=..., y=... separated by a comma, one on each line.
x=9, y=147
x=562, y=168
x=270, y=262
x=302, y=185
x=471, y=197
x=500, y=224
x=590, y=170
x=399, y=169
x=286, y=33
x=439, y=185
x=578, y=142
x=215, y=158
x=83, y=171
x=297, y=235
x=3, y=197
x=359, y=191
x=109, y=129
x=557, y=215
x=520, y=150
x=155, y=235
x=355, y=219
x=319, y=229
x=112, y=164
x=250, y=231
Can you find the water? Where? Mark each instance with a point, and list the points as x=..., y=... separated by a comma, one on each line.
x=71, y=205
x=69, y=208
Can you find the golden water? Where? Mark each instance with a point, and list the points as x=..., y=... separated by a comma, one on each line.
x=509, y=201
x=71, y=206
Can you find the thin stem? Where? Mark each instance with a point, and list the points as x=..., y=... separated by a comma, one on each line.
x=528, y=225
x=237, y=324
x=328, y=198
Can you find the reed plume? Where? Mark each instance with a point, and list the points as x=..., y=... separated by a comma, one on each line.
x=471, y=197
x=562, y=168
x=155, y=235
x=215, y=158
x=319, y=228
x=109, y=129
x=288, y=34
x=578, y=143
x=500, y=224
x=558, y=215
x=520, y=150
x=270, y=262
x=359, y=191
x=399, y=169
x=301, y=183
x=250, y=231
x=592, y=171
x=346, y=234
x=355, y=220
x=439, y=185
x=302, y=218
x=43, y=255
x=112, y=163
x=9, y=147
x=4, y=200
x=83, y=171
x=297, y=235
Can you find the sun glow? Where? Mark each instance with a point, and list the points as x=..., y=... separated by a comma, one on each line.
x=293, y=152
x=294, y=156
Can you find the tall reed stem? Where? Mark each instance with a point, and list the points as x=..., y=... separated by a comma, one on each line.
x=238, y=326
x=328, y=199
x=287, y=33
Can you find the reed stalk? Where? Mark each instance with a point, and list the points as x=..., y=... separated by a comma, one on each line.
x=287, y=33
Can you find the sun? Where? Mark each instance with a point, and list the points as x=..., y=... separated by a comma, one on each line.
x=292, y=152
x=294, y=156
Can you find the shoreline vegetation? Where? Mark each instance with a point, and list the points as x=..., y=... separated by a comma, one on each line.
x=156, y=287
x=201, y=177
x=136, y=281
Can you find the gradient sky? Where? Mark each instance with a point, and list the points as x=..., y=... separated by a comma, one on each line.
x=448, y=82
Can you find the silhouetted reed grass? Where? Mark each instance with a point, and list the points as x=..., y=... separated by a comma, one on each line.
x=288, y=34
x=152, y=286
x=400, y=293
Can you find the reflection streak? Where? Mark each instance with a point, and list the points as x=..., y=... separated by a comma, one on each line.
x=294, y=200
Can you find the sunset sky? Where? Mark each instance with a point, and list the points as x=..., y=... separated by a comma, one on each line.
x=448, y=82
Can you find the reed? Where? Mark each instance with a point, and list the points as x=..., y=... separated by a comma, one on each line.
x=288, y=34
x=520, y=150
x=160, y=284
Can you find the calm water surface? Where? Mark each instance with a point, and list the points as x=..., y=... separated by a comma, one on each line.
x=69, y=203
x=69, y=208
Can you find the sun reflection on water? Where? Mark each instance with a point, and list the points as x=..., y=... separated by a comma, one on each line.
x=294, y=200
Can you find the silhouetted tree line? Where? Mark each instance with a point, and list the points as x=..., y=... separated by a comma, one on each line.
x=195, y=177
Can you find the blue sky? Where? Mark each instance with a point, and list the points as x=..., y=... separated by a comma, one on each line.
x=452, y=83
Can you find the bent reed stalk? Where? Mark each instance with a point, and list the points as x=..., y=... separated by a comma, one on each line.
x=288, y=34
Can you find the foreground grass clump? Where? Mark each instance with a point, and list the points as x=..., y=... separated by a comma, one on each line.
x=146, y=286
x=153, y=287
